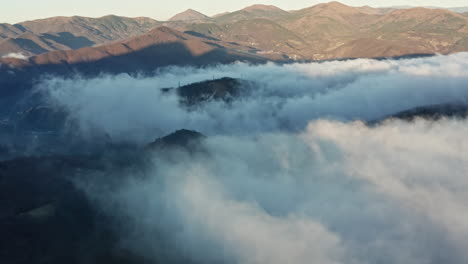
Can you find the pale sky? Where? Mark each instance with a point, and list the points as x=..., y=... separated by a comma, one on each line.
x=13, y=11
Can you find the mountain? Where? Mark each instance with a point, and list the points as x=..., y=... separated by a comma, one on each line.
x=324, y=31
x=334, y=30
x=65, y=33
x=189, y=15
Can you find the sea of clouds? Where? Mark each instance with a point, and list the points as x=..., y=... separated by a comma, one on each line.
x=284, y=97
x=291, y=173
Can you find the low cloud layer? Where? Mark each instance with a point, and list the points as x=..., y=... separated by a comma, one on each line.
x=285, y=97
x=291, y=174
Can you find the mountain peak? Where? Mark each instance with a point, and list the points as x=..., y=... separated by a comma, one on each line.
x=188, y=15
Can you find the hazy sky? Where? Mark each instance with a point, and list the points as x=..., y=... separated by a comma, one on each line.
x=21, y=10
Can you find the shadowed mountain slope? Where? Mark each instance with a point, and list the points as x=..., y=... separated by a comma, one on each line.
x=8, y=30
x=30, y=44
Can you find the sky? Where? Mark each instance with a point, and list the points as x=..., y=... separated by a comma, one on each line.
x=22, y=10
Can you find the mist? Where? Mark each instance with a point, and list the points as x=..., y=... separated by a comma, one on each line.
x=282, y=97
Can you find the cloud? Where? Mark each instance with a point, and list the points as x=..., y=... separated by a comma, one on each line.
x=284, y=97
x=18, y=55
x=421, y=165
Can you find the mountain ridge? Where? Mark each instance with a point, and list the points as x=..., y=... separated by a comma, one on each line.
x=324, y=31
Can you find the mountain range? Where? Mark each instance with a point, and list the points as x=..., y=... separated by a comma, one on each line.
x=259, y=33
x=65, y=33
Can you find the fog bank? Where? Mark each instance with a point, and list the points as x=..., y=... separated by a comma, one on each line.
x=284, y=97
x=290, y=172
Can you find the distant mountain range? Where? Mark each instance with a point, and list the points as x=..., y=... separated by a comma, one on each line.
x=461, y=9
x=259, y=32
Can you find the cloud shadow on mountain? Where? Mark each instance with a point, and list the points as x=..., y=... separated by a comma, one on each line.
x=70, y=40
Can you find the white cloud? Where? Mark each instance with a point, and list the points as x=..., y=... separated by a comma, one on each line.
x=422, y=165
x=19, y=56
